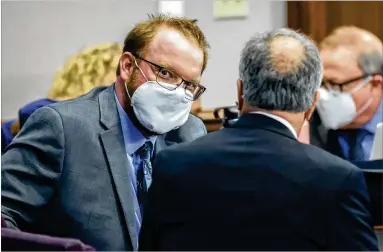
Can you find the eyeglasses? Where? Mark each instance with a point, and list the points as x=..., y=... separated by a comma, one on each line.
x=192, y=90
x=331, y=85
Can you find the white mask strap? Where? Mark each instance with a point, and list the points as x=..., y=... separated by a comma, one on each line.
x=127, y=92
x=126, y=88
x=135, y=62
x=360, y=85
x=355, y=89
x=364, y=107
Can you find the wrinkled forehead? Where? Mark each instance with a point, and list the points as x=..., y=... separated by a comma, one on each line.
x=172, y=50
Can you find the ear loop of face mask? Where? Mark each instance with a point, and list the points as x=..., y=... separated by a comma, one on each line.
x=357, y=88
x=125, y=84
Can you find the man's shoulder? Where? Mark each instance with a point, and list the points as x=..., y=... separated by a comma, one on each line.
x=192, y=129
x=323, y=156
x=327, y=165
x=83, y=102
x=82, y=112
x=306, y=157
x=203, y=144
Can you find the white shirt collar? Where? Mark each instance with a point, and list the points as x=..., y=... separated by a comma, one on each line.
x=279, y=119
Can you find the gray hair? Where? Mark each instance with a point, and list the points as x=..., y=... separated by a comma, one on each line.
x=267, y=88
x=371, y=62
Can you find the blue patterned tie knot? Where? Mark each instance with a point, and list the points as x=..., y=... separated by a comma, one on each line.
x=144, y=151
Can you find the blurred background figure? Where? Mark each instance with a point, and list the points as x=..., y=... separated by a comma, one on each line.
x=92, y=67
x=351, y=105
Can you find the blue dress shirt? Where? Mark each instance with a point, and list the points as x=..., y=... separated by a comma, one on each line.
x=133, y=140
x=367, y=141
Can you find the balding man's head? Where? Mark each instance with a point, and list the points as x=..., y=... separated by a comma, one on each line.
x=280, y=70
x=286, y=54
x=362, y=48
x=352, y=36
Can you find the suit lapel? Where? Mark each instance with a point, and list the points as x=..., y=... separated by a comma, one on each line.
x=323, y=134
x=333, y=145
x=161, y=144
x=325, y=139
x=114, y=147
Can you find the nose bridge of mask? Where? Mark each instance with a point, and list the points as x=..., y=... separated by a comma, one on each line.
x=178, y=93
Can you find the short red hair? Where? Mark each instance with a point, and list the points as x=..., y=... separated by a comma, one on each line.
x=139, y=38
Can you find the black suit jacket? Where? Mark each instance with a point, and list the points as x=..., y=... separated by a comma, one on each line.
x=323, y=138
x=255, y=187
x=66, y=173
x=327, y=140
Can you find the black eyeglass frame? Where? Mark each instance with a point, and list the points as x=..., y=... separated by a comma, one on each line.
x=201, y=90
x=341, y=85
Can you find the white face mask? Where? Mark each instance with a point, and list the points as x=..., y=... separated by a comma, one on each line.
x=337, y=109
x=158, y=109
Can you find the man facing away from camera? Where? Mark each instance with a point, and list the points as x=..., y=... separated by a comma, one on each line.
x=253, y=186
x=81, y=168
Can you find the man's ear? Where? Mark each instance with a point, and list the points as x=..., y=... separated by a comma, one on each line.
x=127, y=65
x=377, y=81
x=240, y=94
x=310, y=111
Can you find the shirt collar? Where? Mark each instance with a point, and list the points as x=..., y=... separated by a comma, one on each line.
x=133, y=138
x=279, y=119
x=371, y=125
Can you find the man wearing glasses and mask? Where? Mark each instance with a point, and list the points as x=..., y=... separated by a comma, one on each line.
x=350, y=106
x=82, y=168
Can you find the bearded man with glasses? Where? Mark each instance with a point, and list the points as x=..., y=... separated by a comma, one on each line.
x=82, y=168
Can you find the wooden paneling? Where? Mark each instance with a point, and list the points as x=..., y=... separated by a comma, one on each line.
x=308, y=17
x=364, y=14
x=318, y=18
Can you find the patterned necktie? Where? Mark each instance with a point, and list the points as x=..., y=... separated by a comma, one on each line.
x=356, y=148
x=144, y=169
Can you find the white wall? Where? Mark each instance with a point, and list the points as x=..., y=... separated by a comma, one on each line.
x=38, y=36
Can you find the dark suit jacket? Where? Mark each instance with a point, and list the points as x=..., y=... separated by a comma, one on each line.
x=322, y=138
x=24, y=113
x=66, y=174
x=255, y=187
